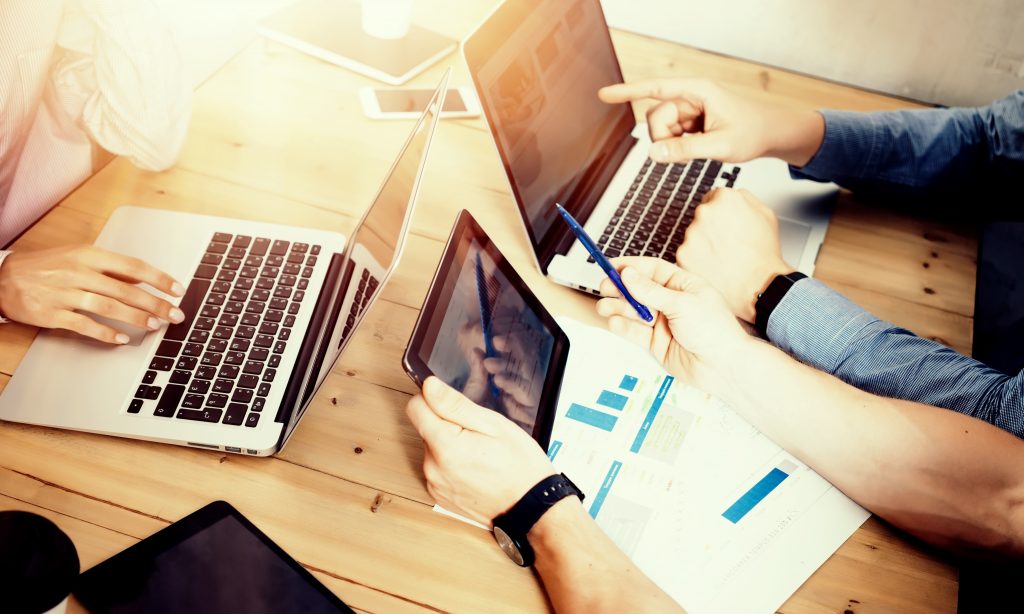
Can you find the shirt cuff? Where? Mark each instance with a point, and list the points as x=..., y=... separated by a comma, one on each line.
x=848, y=148
x=4, y=253
x=816, y=324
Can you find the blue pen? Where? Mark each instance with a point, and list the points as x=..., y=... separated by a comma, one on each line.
x=485, y=323
x=602, y=261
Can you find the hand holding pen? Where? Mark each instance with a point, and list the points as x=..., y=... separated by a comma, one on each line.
x=603, y=262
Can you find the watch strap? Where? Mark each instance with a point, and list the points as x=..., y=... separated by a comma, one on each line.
x=768, y=300
x=520, y=518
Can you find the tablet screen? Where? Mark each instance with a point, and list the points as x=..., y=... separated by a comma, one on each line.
x=211, y=561
x=484, y=333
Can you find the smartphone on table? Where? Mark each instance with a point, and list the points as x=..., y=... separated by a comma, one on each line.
x=406, y=103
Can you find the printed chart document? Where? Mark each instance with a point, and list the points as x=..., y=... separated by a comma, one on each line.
x=721, y=518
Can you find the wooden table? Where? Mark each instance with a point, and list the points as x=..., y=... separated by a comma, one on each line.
x=278, y=136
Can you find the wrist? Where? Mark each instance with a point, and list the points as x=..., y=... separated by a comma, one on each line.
x=799, y=138
x=556, y=521
x=759, y=280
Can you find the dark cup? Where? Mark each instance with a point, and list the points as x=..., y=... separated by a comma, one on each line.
x=38, y=564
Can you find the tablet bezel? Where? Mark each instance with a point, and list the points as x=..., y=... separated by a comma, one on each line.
x=466, y=229
x=92, y=584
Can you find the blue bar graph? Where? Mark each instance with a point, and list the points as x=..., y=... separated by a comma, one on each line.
x=609, y=479
x=553, y=449
x=613, y=400
x=755, y=495
x=652, y=413
x=628, y=382
x=596, y=419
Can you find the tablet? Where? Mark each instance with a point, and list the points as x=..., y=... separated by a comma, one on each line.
x=213, y=560
x=482, y=331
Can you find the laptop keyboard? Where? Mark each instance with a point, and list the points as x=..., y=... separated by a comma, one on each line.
x=658, y=207
x=364, y=292
x=220, y=363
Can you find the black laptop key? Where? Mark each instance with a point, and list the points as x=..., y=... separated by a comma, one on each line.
x=293, y=308
x=216, y=299
x=273, y=315
x=302, y=248
x=239, y=345
x=242, y=241
x=234, y=307
x=315, y=250
x=258, y=404
x=245, y=332
x=275, y=261
x=199, y=386
x=248, y=381
x=149, y=377
x=303, y=283
x=168, y=403
x=242, y=395
x=265, y=283
x=206, y=271
x=206, y=372
x=190, y=306
x=260, y=354
x=207, y=415
x=226, y=275
x=268, y=328
x=153, y=392
x=160, y=363
x=287, y=280
x=228, y=371
x=222, y=237
x=269, y=375
x=279, y=248
x=248, y=272
x=252, y=420
x=239, y=295
x=141, y=391
x=187, y=363
x=279, y=347
x=136, y=405
x=193, y=401
x=274, y=361
x=234, y=358
x=235, y=414
x=232, y=264
x=228, y=319
x=217, y=401
x=289, y=321
x=210, y=311
x=291, y=269
x=212, y=359
x=263, y=390
x=180, y=377
x=205, y=323
x=253, y=367
x=260, y=246
x=263, y=341
x=222, y=332
x=285, y=334
x=217, y=248
x=295, y=258
x=223, y=386
x=211, y=259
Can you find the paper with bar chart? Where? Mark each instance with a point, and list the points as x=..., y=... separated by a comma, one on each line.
x=718, y=515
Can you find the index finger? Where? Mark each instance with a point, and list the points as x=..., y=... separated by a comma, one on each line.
x=655, y=268
x=134, y=270
x=660, y=89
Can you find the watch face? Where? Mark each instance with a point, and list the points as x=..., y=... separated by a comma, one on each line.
x=508, y=545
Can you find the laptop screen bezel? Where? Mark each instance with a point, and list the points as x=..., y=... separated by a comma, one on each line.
x=478, y=50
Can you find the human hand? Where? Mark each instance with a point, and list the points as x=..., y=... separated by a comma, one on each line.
x=50, y=288
x=733, y=243
x=698, y=119
x=694, y=335
x=476, y=462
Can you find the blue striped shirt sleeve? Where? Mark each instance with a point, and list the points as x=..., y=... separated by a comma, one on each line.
x=825, y=330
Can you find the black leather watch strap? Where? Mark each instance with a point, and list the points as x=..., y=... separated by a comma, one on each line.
x=520, y=518
x=768, y=300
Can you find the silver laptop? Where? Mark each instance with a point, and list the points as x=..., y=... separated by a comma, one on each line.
x=537, y=66
x=268, y=308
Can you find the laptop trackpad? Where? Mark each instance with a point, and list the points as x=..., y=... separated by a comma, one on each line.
x=793, y=236
x=135, y=334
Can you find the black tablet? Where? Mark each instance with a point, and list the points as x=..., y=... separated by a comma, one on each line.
x=482, y=331
x=213, y=560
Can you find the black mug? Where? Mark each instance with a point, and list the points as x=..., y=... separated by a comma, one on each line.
x=38, y=564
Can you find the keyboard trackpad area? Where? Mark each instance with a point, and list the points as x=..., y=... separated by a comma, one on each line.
x=135, y=334
x=793, y=237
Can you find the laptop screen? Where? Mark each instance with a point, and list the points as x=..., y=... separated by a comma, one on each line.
x=357, y=277
x=537, y=66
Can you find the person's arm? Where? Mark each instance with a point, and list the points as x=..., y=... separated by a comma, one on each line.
x=480, y=464
x=121, y=76
x=949, y=479
x=821, y=328
x=921, y=152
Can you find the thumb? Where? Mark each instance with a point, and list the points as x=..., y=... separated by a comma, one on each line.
x=664, y=295
x=699, y=145
x=452, y=406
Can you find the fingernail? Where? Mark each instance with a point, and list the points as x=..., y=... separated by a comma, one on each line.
x=177, y=315
x=177, y=289
x=121, y=338
x=152, y=323
x=659, y=151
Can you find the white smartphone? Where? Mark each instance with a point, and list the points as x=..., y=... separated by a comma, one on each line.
x=409, y=103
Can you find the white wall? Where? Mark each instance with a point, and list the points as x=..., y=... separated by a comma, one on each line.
x=954, y=52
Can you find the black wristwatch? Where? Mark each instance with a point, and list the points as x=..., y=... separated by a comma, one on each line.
x=768, y=300
x=511, y=528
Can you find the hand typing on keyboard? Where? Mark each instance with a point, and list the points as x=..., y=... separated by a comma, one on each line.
x=693, y=119
x=52, y=288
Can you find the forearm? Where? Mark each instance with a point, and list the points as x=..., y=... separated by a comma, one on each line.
x=951, y=480
x=924, y=152
x=584, y=571
x=822, y=328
